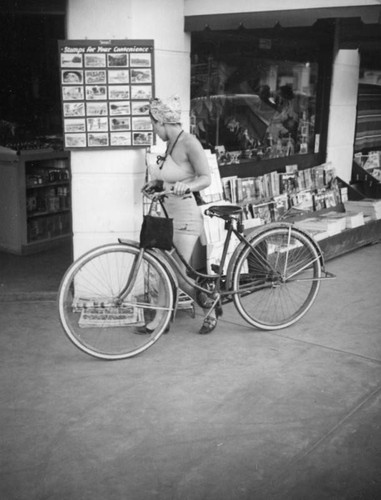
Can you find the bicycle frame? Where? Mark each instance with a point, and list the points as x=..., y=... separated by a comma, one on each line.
x=190, y=275
x=219, y=276
x=193, y=273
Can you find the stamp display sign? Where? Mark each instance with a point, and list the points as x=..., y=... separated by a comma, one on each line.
x=105, y=91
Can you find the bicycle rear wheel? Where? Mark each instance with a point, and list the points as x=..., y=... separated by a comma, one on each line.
x=94, y=311
x=278, y=278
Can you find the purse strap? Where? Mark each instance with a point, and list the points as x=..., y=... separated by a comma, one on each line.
x=174, y=144
x=163, y=158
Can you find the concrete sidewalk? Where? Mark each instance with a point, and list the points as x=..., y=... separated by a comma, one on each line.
x=35, y=276
x=237, y=414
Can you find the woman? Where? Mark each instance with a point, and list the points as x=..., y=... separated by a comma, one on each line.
x=183, y=169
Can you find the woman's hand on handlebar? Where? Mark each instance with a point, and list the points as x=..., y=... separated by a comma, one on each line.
x=180, y=189
x=152, y=187
x=155, y=189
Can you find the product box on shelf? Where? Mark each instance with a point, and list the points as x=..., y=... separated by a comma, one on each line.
x=369, y=207
x=354, y=219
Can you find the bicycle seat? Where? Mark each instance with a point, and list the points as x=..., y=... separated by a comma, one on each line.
x=223, y=211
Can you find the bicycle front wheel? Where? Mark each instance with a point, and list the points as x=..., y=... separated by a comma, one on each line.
x=108, y=296
x=277, y=278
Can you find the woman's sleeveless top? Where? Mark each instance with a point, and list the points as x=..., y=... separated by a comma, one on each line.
x=170, y=172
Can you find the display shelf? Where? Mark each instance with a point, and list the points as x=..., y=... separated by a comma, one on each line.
x=253, y=167
x=35, y=203
x=50, y=184
x=31, y=215
x=364, y=181
x=351, y=239
x=363, y=185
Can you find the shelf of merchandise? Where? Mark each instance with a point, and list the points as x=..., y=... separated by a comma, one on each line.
x=35, y=206
x=351, y=239
x=246, y=167
x=348, y=240
x=362, y=186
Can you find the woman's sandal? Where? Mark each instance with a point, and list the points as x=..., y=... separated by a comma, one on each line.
x=144, y=330
x=208, y=325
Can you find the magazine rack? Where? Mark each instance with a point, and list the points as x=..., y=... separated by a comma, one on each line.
x=366, y=183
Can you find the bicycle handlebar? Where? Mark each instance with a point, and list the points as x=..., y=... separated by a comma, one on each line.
x=157, y=195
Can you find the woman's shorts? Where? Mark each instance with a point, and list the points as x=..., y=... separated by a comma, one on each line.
x=187, y=217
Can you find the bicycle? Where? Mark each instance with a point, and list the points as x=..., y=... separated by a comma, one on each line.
x=273, y=277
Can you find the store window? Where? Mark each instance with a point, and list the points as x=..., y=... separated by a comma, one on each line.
x=367, y=143
x=29, y=80
x=368, y=123
x=256, y=95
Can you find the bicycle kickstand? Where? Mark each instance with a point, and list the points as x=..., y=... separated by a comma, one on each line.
x=328, y=275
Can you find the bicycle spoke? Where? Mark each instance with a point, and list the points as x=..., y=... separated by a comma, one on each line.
x=279, y=293
x=98, y=316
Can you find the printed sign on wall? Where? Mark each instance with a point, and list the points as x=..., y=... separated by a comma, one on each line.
x=105, y=89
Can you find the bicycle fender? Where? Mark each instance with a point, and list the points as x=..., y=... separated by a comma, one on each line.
x=313, y=241
x=132, y=243
x=239, y=248
x=264, y=229
x=159, y=256
x=164, y=261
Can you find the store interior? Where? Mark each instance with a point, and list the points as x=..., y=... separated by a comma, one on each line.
x=30, y=120
x=30, y=111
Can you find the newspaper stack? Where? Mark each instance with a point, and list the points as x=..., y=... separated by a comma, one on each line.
x=354, y=219
x=321, y=227
x=369, y=207
x=339, y=217
x=214, y=192
x=101, y=313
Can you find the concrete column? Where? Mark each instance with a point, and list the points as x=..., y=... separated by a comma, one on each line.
x=106, y=197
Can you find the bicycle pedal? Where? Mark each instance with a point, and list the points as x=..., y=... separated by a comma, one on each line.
x=184, y=301
x=184, y=296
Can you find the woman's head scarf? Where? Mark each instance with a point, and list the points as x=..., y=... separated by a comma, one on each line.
x=166, y=110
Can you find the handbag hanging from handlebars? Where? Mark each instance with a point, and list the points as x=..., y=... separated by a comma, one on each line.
x=156, y=232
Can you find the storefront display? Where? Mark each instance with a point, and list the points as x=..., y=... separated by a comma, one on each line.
x=105, y=90
x=35, y=200
x=255, y=97
x=30, y=114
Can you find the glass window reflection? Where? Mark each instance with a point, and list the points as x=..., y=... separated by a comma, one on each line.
x=254, y=98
